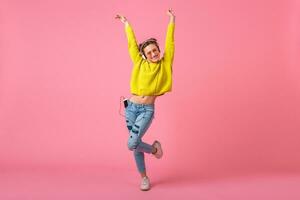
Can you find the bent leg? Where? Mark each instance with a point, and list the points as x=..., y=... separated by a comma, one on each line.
x=138, y=121
x=139, y=128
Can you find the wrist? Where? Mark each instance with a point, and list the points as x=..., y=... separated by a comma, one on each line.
x=172, y=19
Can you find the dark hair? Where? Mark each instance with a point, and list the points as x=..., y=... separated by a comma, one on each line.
x=144, y=44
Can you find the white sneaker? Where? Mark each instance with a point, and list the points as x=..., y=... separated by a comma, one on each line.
x=145, y=184
x=159, y=152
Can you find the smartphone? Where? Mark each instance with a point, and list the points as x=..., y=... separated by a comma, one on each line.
x=125, y=101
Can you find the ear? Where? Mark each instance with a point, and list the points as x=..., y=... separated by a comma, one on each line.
x=144, y=57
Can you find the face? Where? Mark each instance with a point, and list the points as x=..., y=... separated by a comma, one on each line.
x=152, y=53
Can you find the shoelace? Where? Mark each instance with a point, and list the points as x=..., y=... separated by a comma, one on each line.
x=145, y=181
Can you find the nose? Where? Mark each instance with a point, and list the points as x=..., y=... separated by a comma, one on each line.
x=153, y=54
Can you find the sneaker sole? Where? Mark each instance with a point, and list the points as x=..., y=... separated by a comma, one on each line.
x=158, y=143
x=145, y=189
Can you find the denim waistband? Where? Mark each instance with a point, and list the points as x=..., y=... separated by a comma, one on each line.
x=139, y=105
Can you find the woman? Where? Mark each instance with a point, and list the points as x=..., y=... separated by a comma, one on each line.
x=151, y=77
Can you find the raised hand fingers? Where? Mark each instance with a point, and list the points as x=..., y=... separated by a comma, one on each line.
x=121, y=18
x=170, y=12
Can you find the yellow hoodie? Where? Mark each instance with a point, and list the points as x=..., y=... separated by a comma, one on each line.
x=151, y=78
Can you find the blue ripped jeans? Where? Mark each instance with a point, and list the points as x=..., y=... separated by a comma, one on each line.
x=138, y=120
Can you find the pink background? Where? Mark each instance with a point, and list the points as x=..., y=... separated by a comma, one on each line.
x=235, y=101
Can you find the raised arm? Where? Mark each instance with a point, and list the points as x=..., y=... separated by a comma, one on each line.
x=132, y=44
x=170, y=45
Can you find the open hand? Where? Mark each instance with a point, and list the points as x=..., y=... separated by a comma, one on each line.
x=121, y=18
x=170, y=13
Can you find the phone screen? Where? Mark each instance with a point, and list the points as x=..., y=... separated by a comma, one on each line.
x=125, y=103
